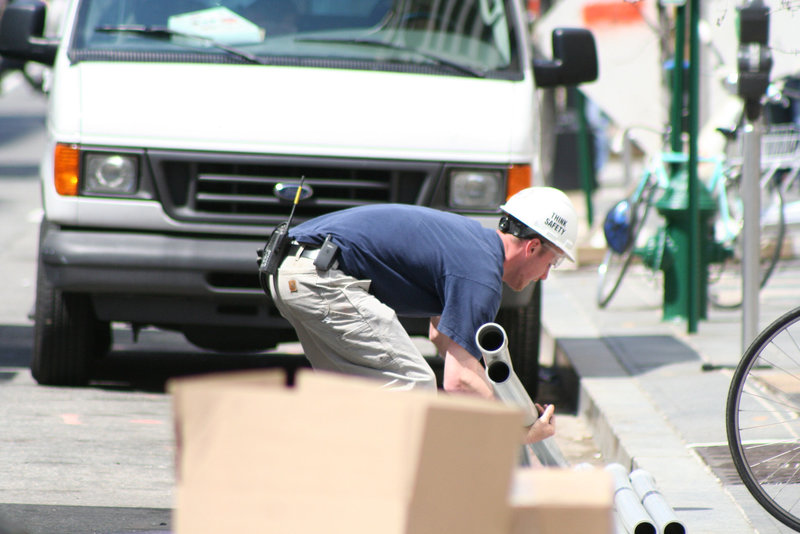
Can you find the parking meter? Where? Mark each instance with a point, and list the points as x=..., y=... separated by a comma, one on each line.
x=754, y=58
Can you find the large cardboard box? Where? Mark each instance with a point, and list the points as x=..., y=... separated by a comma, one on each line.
x=338, y=455
x=562, y=501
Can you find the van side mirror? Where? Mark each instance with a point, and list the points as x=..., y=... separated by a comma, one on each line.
x=574, y=59
x=22, y=30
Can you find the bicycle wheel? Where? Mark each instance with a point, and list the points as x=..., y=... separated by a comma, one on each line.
x=763, y=419
x=725, y=280
x=614, y=265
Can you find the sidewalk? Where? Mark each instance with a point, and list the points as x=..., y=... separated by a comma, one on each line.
x=652, y=394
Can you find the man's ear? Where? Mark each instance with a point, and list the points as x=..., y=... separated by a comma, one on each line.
x=533, y=243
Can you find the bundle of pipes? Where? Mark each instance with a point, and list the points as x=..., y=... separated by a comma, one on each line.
x=640, y=506
x=493, y=343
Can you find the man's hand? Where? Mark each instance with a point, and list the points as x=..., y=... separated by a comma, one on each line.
x=544, y=427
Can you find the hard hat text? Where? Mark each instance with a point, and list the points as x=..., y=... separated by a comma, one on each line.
x=557, y=223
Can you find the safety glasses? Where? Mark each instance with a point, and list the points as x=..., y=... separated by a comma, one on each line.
x=558, y=254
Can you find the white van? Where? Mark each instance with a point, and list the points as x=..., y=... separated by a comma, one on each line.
x=179, y=130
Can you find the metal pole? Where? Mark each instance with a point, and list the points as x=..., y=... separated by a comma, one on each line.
x=676, y=107
x=750, y=191
x=697, y=285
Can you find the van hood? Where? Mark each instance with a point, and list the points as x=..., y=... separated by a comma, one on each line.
x=302, y=111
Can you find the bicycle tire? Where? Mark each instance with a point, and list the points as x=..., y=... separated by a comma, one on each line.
x=770, y=248
x=612, y=269
x=762, y=419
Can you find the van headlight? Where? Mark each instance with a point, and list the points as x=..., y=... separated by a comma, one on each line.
x=476, y=189
x=111, y=174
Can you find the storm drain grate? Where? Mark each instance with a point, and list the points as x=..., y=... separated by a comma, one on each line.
x=718, y=458
x=777, y=463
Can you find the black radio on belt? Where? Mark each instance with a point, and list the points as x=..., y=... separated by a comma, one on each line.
x=269, y=258
x=271, y=255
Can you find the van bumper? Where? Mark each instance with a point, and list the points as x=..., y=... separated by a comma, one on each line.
x=160, y=279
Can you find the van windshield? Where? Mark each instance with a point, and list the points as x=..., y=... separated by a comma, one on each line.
x=459, y=37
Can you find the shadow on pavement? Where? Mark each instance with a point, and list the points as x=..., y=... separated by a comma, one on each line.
x=640, y=354
x=148, y=364
x=16, y=345
x=82, y=519
x=612, y=357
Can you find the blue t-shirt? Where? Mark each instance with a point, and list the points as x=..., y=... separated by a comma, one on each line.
x=422, y=262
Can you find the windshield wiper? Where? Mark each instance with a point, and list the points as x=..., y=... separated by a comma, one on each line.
x=394, y=46
x=162, y=32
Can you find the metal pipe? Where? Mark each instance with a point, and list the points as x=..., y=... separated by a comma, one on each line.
x=655, y=504
x=751, y=232
x=631, y=513
x=493, y=343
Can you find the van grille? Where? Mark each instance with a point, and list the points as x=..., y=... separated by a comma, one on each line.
x=240, y=189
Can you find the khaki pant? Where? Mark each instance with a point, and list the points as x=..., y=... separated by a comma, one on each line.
x=343, y=328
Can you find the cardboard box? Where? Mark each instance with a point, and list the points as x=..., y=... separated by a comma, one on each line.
x=338, y=455
x=562, y=501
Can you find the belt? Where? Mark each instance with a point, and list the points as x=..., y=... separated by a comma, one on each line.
x=306, y=251
x=310, y=252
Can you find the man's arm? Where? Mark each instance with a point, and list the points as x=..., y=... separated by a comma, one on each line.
x=463, y=373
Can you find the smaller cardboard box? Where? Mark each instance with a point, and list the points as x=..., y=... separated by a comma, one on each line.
x=562, y=501
x=337, y=454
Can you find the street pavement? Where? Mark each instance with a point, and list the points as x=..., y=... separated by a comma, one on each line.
x=652, y=394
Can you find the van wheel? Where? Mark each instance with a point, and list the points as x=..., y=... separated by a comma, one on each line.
x=523, y=328
x=66, y=336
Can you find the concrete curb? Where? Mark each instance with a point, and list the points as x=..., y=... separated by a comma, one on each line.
x=627, y=425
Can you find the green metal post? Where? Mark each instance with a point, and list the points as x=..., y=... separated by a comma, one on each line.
x=686, y=206
x=698, y=269
x=672, y=205
x=584, y=155
x=676, y=102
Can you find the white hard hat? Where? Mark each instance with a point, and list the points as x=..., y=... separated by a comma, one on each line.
x=548, y=212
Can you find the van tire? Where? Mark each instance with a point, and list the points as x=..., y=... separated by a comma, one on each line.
x=523, y=328
x=67, y=336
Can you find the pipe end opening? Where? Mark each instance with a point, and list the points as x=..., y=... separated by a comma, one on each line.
x=498, y=372
x=674, y=528
x=491, y=340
